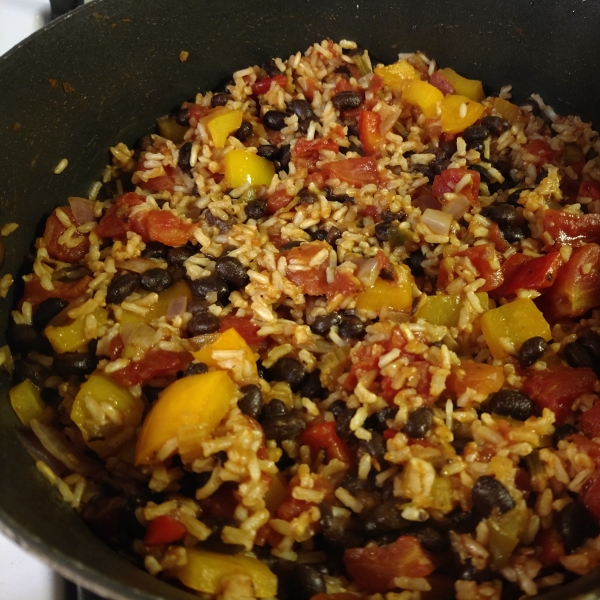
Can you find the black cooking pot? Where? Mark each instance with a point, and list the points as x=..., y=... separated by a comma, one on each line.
x=103, y=73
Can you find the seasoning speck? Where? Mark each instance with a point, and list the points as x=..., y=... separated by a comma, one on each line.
x=67, y=87
x=183, y=55
x=61, y=166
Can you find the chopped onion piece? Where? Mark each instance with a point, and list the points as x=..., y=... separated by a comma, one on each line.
x=438, y=221
x=368, y=271
x=177, y=307
x=83, y=209
x=389, y=116
x=139, y=335
x=137, y=265
x=455, y=204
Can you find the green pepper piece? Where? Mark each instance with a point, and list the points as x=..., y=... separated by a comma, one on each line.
x=398, y=236
x=505, y=532
x=361, y=63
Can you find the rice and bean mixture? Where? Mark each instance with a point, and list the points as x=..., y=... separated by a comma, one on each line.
x=331, y=334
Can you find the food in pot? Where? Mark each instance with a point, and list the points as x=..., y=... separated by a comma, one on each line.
x=332, y=332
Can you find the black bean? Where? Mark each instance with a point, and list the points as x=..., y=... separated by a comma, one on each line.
x=155, y=250
x=591, y=154
x=336, y=408
x=503, y=214
x=374, y=447
x=353, y=131
x=275, y=119
x=286, y=427
x=577, y=355
x=232, y=271
x=347, y=100
x=121, y=287
x=25, y=368
x=307, y=197
x=177, y=256
x=211, y=283
x=256, y=209
x=562, y=432
x=197, y=305
x=287, y=369
x=195, y=368
x=352, y=327
x=203, y=323
x=223, y=225
x=591, y=342
x=342, y=423
x=220, y=99
x=322, y=324
x=75, y=364
x=311, y=386
x=271, y=68
x=71, y=273
x=512, y=233
x=463, y=521
x=182, y=116
x=304, y=124
x=244, y=132
x=415, y=263
x=378, y=421
x=285, y=155
x=46, y=311
x=532, y=350
x=512, y=403
x=419, y=422
x=531, y=103
x=475, y=133
x=273, y=409
x=449, y=147
x=341, y=532
x=513, y=197
x=432, y=540
x=489, y=494
x=575, y=525
x=24, y=338
x=319, y=235
x=381, y=231
x=292, y=244
x=495, y=125
x=440, y=166
x=269, y=152
x=301, y=108
x=541, y=175
x=333, y=235
x=385, y=517
x=471, y=573
x=156, y=280
x=308, y=582
x=183, y=162
x=484, y=173
x=251, y=403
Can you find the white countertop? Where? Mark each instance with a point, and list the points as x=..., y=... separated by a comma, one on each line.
x=22, y=576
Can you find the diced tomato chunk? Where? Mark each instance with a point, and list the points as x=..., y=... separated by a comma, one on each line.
x=317, y=178
x=586, y=446
x=305, y=148
x=54, y=229
x=167, y=228
x=35, y=294
x=161, y=183
x=534, y=274
x=448, y=179
x=590, y=496
x=312, y=281
x=589, y=422
x=343, y=85
x=552, y=548
x=510, y=267
x=589, y=189
x=572, y=230
x=542, y=150
x=482, y=257
x=355, y=171
x=557, y=388
x=197, y=112
x=376, y=567
x=156, y=363
x=323, y=436
x=245, y=327
x=264, y=85
x=368, y=129
x=115, y=222
x=277, y=200
x=164, y=530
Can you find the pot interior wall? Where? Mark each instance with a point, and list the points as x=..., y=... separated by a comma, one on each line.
x=102, y=75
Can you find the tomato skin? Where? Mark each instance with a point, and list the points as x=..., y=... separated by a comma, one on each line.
x=535, y=273
x=368, y=130
x=589, y=189
x=115, y=222
x=168, y=229
x=245, y=327
x=197, y=112
x=54, y=229
x=375, y=568
x=164, y=530
x=277, y=200
x=161, y=183
x=552, y=548
x=589, y=422
x=542, y=150
x=323, y=436
x=441, y=82
x=509, y=268
x=343, y=85
x=156, y=363
x=558, y=388
x=313, y=282
x=355, y=171
x=572, y=230
x=264, y=85
x=35, y=294
x=115, y=347
x=447, y=180
x=573, y=292
x=590, y=496
x=317, y=178
x=306, y=148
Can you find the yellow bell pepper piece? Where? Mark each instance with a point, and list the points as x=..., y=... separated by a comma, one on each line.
x=72, y=336
x=456, y=119
x=27, y=402
x=205, y=572
x=199, y=400
x=514, y=322
x=228, y=340
x=444, y=309
x=471, y=88
x=120, y=408
x=441, y=494
x=170, y=129
x=507, y=110
x=276, y=493
x=398, y=74
x=424, y=95
x=246, y=167
x=481, y=377
x=221, y=123
x=396, y=295
x=178, y=290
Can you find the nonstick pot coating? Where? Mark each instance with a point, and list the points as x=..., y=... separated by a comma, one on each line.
x=103, y=73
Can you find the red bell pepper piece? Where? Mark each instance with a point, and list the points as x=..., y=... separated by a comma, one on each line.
x=534, y=274
x=322, y=436
x=368, y=130
x=571, y=230
x=164, y=530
